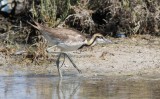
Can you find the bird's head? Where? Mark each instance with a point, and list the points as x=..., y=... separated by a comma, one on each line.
x=97, y=38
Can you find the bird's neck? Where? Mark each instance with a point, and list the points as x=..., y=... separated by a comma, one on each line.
x=91, y=41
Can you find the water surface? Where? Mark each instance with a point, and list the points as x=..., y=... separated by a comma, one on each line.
x=49, y=87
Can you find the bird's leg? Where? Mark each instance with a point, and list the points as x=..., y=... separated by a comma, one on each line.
x=63, y=60
x=58, y=67
x=58, y=62
x=72, y=62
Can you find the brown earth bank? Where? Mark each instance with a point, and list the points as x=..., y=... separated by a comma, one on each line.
x=138, y=55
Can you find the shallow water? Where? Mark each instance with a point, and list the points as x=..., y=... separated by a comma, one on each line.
x=49, y=87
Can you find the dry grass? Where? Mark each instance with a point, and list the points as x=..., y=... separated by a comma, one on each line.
x=128, y=16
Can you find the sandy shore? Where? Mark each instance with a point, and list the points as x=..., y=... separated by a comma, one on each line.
x=126, y=56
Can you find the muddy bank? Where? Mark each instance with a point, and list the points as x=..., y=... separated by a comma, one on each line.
x=139, y=55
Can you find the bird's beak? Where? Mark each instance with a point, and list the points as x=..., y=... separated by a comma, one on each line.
x=106, y=40
x=103, y=40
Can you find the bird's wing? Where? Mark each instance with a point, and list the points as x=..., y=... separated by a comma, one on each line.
x=72, y=35
x=63, y=34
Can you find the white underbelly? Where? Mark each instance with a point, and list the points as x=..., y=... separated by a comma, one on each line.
x=72, y=47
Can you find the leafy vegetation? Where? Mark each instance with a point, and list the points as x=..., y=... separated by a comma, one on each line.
x=108, y=17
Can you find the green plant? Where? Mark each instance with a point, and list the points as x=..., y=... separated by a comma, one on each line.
x=52, y=12
x=46, y=12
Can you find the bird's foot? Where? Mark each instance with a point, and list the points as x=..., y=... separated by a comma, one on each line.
x=80, y=71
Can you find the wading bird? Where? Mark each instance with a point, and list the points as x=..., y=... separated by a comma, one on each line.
x=66, y=39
